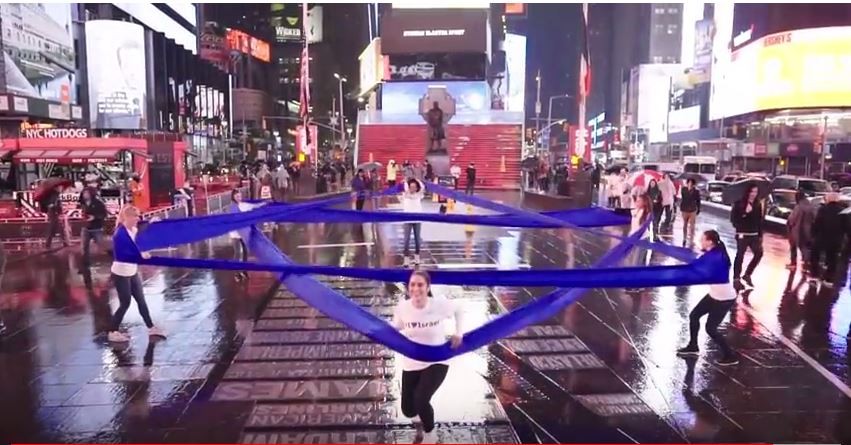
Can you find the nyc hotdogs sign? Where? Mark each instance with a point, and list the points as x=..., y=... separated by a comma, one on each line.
x=55, y=133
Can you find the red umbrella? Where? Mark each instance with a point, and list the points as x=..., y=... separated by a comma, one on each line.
x=642, y=178
x=48, y=185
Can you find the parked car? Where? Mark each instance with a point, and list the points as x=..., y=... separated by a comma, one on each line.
x=715, y=191
x=810, y=186
x=780, y=203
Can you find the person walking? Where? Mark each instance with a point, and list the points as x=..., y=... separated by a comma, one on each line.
x=360, y=188
x=455, y=171
x=613, y=183
x=240, y=250
x=419, y=318
x=826, y=229
x=655, y=194
x=690, y=208
x=94, y=212
x=52, y=205
x=412, y=202
x=747, y=216
x=716, y=304
x=471, y=179
x=282, y=182
x=128, y=284
x=391, y=173
x=666, y=185
x=799, y=227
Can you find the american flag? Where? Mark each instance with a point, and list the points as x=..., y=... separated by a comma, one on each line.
x=585, y=62
x=304, y=99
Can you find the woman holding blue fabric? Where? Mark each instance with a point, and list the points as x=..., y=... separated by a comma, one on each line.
x=240, y=250
x=412, y=202
x=126, y=278
x=420, y=318
x=717, y=304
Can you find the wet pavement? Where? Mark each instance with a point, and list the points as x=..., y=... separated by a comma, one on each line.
x=247, y=362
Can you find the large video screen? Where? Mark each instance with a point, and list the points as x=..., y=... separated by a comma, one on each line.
x=434, y=31
x=404, y=97
x=115, y=53
x=796, y=69
x=39, y=55
x=515, y=60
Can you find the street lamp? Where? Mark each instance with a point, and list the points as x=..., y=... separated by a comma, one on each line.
x=550, y=111
x=340, y=81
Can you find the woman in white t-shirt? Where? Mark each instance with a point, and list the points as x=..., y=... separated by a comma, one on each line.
x=717, y=304
x=420, y=318
x=641, y=211
x=412, y=202
x=128, y=284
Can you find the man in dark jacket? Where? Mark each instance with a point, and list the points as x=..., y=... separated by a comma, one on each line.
x=690, y=208
x=360, y=186
x=471, y=179
x=799, y=228
x=94, y=212
x=826, y=230
x=53, y=207
x=747, y=216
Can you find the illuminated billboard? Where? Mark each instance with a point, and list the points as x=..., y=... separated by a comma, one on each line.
x=241, y=42
x=434, y=31
x=805, y=68
x=371, y=66
x=38, y=51
x=515, y=60
x=404, y=97
x=115, y=54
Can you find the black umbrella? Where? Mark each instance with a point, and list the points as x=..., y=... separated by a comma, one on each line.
x=737, y=190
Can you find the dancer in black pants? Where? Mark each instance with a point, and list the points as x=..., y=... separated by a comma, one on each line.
x=747, y=217
x=419, y=318
x=717, y=304
x=127, y=282
x=827, y=240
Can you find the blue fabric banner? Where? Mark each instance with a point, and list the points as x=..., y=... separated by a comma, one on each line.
x=713, y=267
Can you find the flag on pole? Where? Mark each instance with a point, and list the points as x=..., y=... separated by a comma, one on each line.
x=585, y=62
x=304, y=99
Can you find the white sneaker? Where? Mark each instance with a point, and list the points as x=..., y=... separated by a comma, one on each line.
x=156, y=332
x=417, y=259
x=417, y=421
x=407, y=262
x=118, y=337
x=430, y=437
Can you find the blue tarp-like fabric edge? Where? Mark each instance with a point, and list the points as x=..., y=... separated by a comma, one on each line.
x=708, y=269
x=352, y=315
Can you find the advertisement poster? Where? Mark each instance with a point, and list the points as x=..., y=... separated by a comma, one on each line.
x=214, y=48
x=116, y=65
x=38, y=50
x=515, y=60
x=805, y=68
x=404, y=97
x=703, y=37
x=438, y=67
x=434, y=31
x=286, y=19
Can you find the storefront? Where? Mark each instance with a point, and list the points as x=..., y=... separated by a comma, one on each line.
x=113, y=161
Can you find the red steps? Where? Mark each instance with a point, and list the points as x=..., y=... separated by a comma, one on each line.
x=488, y=146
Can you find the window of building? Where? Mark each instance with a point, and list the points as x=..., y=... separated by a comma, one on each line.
x=672, y=29
x=658, y=10
x=657, y=59
x=673, y=11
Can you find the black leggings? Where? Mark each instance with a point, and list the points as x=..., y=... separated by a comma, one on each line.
x=417, y=389
x=743, y=243
x=130, y=287
x=717, y=310
x=412, y=229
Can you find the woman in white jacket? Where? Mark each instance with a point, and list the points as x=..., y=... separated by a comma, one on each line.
x=666, y=186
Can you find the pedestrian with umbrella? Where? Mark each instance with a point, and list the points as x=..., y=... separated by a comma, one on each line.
x=654, y=193
x=360, y=188
x=48, y=196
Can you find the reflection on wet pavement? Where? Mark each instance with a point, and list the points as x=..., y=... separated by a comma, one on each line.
x=243, y=363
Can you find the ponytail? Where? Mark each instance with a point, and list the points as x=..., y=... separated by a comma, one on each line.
x=712, y=235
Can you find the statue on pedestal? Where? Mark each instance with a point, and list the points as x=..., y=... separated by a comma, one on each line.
x=437, y=108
